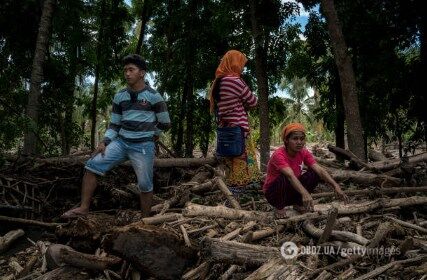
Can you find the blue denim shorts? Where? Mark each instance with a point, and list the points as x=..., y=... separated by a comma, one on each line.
x=140, y=154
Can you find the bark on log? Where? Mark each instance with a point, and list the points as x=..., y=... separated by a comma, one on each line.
x=158, y=162
x=321, y=210
x=198, y=272
x=395, y=163
x=237, y=253
x=152, y=250
x=9, y=238
x=382, y=269
x=406, y=224
x=332, y=216
x=66, y=272
x=206, y=186
x=348, y=155
x=28, y=222
x=376, y=156
x=224, y=189
x=58, y=254
x=276, y=269
x=159, y=219
x=324, y=276
x=374, y=192
x=382, y=231
x=230, y=271
x=196, y=210
x=88, y=261
x=260, y=234
x=363, y=178
x=345, y=236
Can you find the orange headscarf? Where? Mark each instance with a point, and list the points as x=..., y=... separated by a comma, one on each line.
x=291, y=128
x=232, y=63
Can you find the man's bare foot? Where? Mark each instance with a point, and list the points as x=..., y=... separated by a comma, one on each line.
x=280, y=214
x=74, y=213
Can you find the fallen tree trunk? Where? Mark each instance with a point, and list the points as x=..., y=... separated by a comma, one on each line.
x=348, y=155
x=158, y=162
x=9, y=238
x=58, y=255
x=363, y=178
x=374, y=192
x=206, y=186
x=406, y=224
x=66, y=272
x=237, y=253
x=224, y=189
x=151, y=250
x=29, y=222
x=320, y=210
x=394, y=163
x=197, y=210
x=345, y=236
x=382, y=269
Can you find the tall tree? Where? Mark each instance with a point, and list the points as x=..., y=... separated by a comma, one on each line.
x=261, y=41
x=348, y=80
x=98, y=62
x=30, y=139
x=145, y=14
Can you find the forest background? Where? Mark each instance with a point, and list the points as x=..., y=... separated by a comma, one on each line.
x=356, y=69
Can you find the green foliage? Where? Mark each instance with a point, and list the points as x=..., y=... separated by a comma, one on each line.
x=183, y=45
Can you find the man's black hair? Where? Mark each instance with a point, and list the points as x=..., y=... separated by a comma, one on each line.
x=135, y=59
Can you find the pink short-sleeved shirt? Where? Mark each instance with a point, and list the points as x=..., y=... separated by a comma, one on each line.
x=280, y=159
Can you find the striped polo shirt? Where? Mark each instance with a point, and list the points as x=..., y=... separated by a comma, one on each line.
x=137, y=116
x=235, y=95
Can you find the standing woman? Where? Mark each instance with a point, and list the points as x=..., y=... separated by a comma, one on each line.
x=230, y=98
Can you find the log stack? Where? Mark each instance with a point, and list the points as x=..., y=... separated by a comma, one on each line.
x=193, y=235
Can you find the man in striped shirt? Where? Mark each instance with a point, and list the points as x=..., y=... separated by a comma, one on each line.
x=139, y=115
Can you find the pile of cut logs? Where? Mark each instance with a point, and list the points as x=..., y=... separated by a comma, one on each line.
x=382, y=232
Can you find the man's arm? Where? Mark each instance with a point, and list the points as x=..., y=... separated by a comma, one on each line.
x=162, y=116
x=296, y=184
x=115, y=122
x=113, y=128
x=324, y=175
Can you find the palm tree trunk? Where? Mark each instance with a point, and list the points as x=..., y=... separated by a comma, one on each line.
x=262, y=82
x=30, y=139
x=348, y=80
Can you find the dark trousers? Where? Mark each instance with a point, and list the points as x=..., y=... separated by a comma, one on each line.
x=281, y=193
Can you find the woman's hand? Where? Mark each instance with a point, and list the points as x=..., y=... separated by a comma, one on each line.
x=307, y=202
x=341, y=195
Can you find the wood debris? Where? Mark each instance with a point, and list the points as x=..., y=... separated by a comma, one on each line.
x=193, y=235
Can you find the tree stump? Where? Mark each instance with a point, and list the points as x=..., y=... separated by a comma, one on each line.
x=152, y=250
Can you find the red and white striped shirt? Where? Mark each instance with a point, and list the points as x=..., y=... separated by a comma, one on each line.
x=235, y=96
